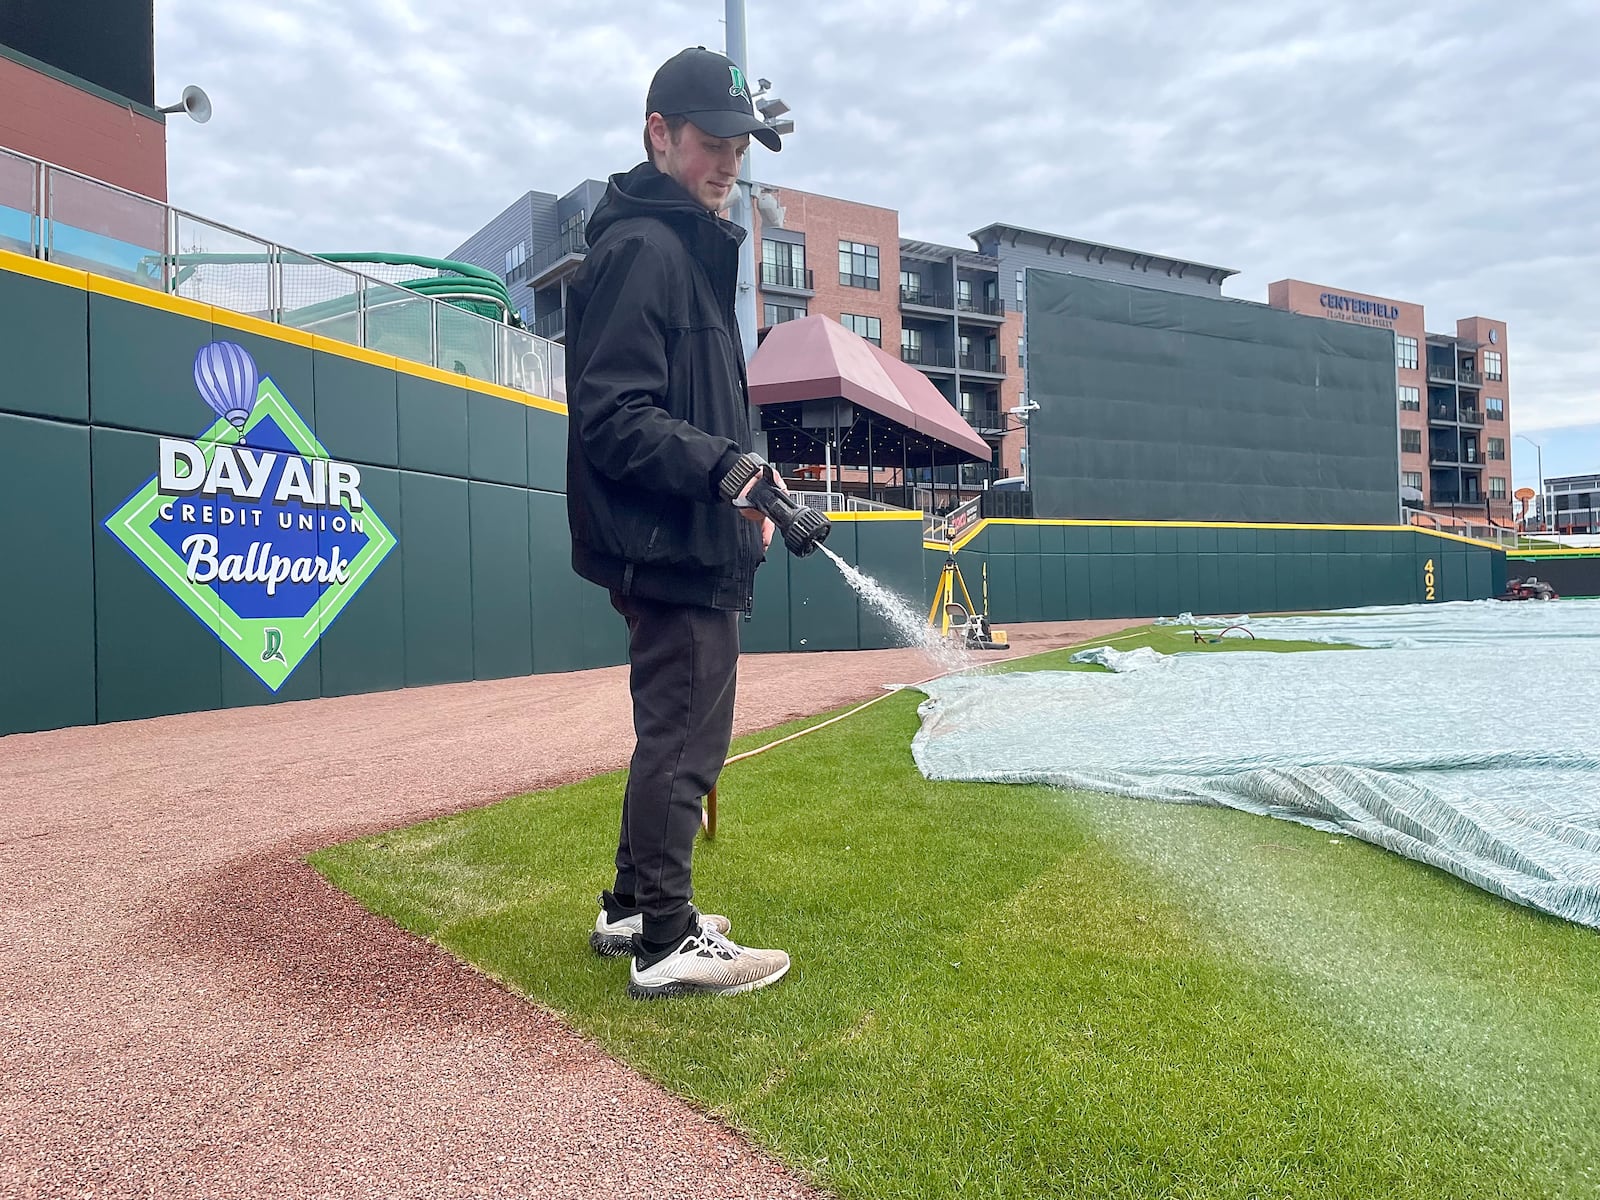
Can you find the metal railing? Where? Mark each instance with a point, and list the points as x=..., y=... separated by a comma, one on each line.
x=1471, y=416
x=991, y=306
x=1506, y=539
x=572, y=241
x=994, y=364
x=1442, y=412
x=552, y=325
x=1439, y=374
x=1470, y=378
x=843, y=502
x=778, y=275
x=52, y=213
x=982, y=418
x=928, y=356
x=1444, y=454
x=923, y=298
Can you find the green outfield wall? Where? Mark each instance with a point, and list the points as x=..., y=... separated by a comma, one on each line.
x=199, y=510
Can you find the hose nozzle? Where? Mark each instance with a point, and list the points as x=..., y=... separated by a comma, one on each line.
x=803, y=529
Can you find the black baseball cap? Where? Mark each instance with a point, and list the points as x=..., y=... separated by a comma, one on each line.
x=707, y=88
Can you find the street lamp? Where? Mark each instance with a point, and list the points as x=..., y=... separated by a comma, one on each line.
x=1544, y=506
x=772, y=112
x=1023, y=412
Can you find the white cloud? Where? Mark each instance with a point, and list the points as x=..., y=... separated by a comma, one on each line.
x=1440, y=154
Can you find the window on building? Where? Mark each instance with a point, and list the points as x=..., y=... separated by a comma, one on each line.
x=1494, y=408
x=870, y=328
x=858, y=265
x=1411, y=441
x=1492, y=368
x=911, y=281
x=1021, y=285
x=575, y=221
x=777, y=314
x=1497, y=487
x=971, y=404
x=517, y=263
x=911, y=339
x=1405, y=351
x=1412, y=479
x=783, y=264
x=964, y=293
x=1497, y=449
x=1411, y=399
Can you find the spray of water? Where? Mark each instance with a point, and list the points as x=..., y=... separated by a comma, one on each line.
x=910, y=626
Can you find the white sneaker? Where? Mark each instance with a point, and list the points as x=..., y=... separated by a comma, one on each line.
x=706, y=961
x=612, y=939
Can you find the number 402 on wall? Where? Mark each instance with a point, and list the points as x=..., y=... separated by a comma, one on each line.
x=1427, y=580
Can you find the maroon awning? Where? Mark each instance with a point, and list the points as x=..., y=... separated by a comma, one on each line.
x=816, y=358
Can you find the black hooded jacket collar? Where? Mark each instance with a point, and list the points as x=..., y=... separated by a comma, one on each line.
x=648, y=192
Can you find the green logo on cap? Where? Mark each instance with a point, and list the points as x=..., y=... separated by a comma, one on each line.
x=739, y=87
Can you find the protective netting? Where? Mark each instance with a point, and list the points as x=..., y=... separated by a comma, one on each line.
x=1467, y=742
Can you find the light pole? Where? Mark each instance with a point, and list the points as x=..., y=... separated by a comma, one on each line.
x=1544, y=507
x=1024, y=413
x=772, y=115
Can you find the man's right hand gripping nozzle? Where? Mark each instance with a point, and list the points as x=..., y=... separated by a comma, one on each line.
x=752, y=483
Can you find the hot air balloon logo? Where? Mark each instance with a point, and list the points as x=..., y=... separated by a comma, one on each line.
x=228, y=379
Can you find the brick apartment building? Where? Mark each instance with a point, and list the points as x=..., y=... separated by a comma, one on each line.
x=955, y=313
x=1453, y=395
x=80, y=94
x=958, y=315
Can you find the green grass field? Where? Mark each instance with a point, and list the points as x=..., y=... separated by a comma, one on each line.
x=1018, y=992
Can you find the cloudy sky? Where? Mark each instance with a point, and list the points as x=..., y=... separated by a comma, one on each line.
x=1446, y=153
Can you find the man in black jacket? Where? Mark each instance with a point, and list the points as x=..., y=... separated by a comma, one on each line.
x=658, y=419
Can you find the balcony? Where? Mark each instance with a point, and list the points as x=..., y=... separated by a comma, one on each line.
x=923, y=298
x=552, y=325
x=1443, y=454
x=1441, y=373
x=561, y=255
x=1471, y=416
x=983, y=364
x=780, y=277
x=1468, y=378
x=984, y=420
x=1442, y=414
x=939, y=357
x=981, y=306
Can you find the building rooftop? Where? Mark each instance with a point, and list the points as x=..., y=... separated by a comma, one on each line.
x=1098, y=252
x=935, y=252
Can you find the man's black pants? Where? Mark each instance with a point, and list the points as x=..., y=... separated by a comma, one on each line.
x=683, y=662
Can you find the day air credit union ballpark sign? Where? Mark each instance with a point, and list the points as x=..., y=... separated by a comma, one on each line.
x=251, y=525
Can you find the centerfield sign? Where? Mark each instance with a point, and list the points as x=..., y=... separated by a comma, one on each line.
x=251, y=525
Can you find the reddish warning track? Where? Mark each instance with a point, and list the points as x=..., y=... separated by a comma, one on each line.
x=187, y=1010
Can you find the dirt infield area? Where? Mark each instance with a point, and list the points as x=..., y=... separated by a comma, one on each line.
x=188, y=1010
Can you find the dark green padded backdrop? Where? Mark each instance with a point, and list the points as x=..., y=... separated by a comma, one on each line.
x=357, y=419
x=46, y=338
x=480, y=584
x=47, y=603
x=364, y=647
